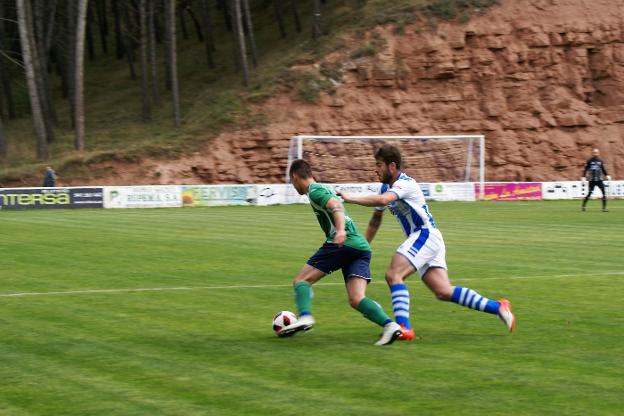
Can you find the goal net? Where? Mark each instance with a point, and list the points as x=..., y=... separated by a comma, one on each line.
x=428, y=159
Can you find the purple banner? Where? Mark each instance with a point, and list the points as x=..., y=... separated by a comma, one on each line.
x=511, y=191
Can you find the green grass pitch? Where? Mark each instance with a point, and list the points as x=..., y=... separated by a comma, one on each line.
x=199, y=341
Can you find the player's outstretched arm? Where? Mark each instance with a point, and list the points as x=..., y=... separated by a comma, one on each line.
x=339, y=220
x=370, y=200
x=373, y=225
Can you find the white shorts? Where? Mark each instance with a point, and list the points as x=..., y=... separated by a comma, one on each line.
x=424, y=249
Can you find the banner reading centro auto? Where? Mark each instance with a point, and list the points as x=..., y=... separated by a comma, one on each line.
x=156, y=196
x=511, y=191
x=22, y=198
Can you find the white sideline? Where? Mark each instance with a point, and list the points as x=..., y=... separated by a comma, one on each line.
x=163, y=289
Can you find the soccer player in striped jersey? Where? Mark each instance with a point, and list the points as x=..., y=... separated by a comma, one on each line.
x=344, y=248
x=423, y=250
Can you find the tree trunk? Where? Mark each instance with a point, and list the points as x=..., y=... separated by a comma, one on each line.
x=240, y=40
x=102, y=19
x=198, y=28
x=128, y=39
x=49, y=32
x=4, y=76
x=316, y=20
x=210, y=47
x=119, y=43
x=227, y=13
x=27, y=46
x=280, y=18
x=90, y=45
x=249, y=27
x=3, y=143
x=70, y=57
x=152, y=45
x=171, y=29
x=167, y=41
x=40, y=65
x=79, y=82
x=228, y=5
x=183, y=23
x=296, y=15
x=147, y=110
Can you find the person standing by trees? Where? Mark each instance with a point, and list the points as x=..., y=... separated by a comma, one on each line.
x=49, y=178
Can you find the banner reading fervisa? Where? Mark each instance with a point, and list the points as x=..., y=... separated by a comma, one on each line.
x=510, y=191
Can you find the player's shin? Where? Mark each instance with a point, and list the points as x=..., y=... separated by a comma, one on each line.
x=469, y=298
x=401, y=304
x=373, y=312
x=303, y=298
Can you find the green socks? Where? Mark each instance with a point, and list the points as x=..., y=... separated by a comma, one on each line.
x=303, y=297
x=373, y=312
x=367, y=307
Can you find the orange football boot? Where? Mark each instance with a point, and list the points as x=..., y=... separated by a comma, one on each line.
x=406, y=334
x=505, y=315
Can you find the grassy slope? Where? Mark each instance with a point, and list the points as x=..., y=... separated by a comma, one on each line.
x=211, y=99
x=212, y=352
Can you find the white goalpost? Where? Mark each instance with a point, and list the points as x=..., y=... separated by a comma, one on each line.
x=429, y=159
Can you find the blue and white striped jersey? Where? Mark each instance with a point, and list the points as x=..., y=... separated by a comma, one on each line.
x=410, y=209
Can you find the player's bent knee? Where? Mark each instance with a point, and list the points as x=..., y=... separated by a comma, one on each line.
x=354, y=301
x=444, y=296
x=443, y=293
x=393, y=279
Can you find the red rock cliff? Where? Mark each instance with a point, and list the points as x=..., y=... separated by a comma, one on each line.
x=542, y=79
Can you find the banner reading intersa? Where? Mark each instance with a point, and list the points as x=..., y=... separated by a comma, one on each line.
x=22, y=198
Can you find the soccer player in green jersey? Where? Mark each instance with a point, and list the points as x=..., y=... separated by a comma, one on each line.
x=344, y=248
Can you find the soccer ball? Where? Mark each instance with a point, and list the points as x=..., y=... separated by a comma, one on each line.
x=282, y=319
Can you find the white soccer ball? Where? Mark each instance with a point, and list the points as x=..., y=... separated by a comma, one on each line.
x=282, y=319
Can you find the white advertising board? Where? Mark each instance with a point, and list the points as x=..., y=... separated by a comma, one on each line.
x=156, y=196
x=278, y=194
x=214, y=195
x=563, y=190
x=578, y=189
x=450, y=191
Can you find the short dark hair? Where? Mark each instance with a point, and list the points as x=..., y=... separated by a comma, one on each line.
x=388, y=154
x=301, y=168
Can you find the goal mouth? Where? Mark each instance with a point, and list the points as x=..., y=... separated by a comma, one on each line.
x=428, y=159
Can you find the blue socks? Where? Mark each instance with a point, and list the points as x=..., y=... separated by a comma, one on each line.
x=401, y=304
x=469, y=298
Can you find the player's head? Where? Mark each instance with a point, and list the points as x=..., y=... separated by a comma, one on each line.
x=596, y=152
x=387, y=163
x=300, y=174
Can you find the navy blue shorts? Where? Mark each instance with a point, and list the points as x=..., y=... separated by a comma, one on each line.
x=352, y=261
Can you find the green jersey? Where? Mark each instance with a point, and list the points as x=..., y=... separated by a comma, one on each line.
x=319, y=195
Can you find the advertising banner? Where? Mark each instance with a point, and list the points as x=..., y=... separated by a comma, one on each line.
x=278, y=194
x=22, y=198
x=615, y=189
x=214, y=195
x=286, y=194
x=511, y=191
x=563, y=190
x=460, y=191
x=356, y=188
x=158, y=196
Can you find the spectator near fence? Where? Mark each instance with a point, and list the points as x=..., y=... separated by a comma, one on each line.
x=49, y=178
